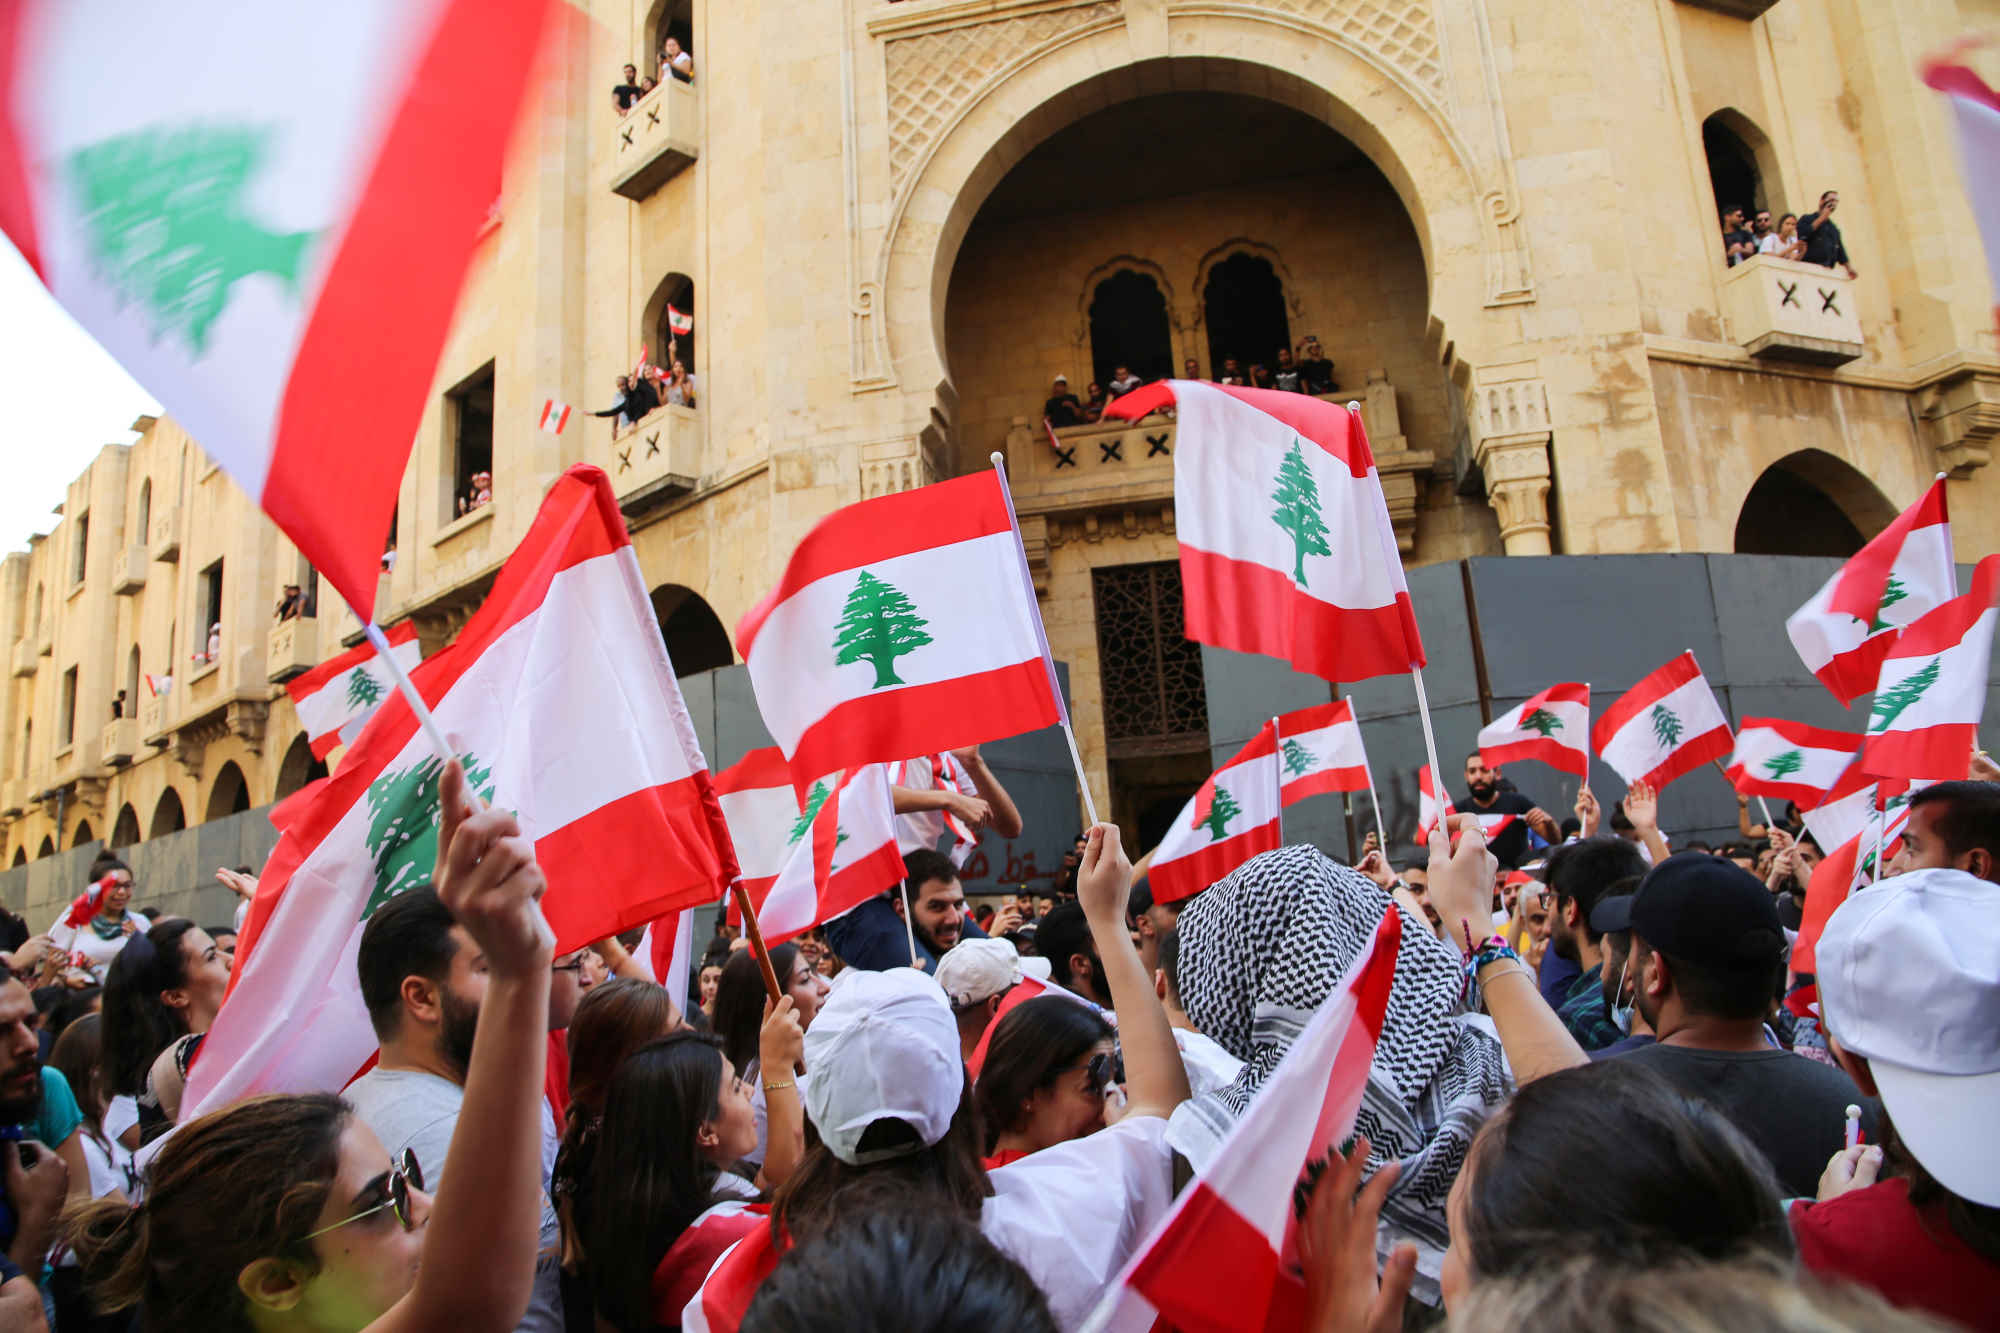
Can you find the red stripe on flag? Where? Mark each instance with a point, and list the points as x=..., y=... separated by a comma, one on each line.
x=1248, y=607
x=1662, y=681
x=1941, y=748
x=408, y=244
x=1317, y=718
x=892, y=725
x=17, y=207
x=1329, y=425
x=1857, y=588
x=1568, y=758
x=906, y=523
x=849, y=887
x=1185, y=876
x=1851, y=674
x=1325, y=781
x=310, y=683
x=1798, y=733
x=1236, y=1256
x=604, y=877
x=1956, y=80
x=1947, y=625
x=1831, y=880
x=1691, y=755
x=762, y=767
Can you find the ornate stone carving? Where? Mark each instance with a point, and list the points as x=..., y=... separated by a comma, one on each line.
x=246, y=718
x=1960, y=416
x=1511, y=451
x=192, y=739
x=1403, y=33
x=1401, y=469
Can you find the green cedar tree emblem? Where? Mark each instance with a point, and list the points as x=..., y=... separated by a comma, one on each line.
x=1297, y=498
x=1784, y=765
x=1299, y=761
x=878, y=625
x=814, y=800
x=1221, y=810
x=363, y=690
x=403, y=824
x=1892, y=593
x=1542, y=720
x=1667, y=726
x=1890, y=703
x=163, y=214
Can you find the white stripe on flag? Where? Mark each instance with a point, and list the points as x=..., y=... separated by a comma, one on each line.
x=1638, y=749
x=760, y=823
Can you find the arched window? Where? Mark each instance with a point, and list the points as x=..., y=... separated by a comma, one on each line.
x=670, y=329
x=1129, y=327
x=1243, y=304
x=48, y=848
x=20, y=856
x=695, y=636
x=1732, y=169
x=83, y=834
x=125, y=831
x=142, y=530
x=230, y=795
x=669, y=18
x=1811, y=503
x=168, y=816
x=298, y=768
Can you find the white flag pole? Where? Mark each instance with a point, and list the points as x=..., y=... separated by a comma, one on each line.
x=1368, y=770
x=1278, y=772
x=1765, y=806
x=1875, y=860
x=1042, y=638
x=1430, y=746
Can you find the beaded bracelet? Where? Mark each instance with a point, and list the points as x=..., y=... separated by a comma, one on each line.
x=1492, y=951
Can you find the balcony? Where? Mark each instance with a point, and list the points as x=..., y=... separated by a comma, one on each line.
x=119, y=741
x=1736, y=9
x=165, y=542
x=129, y=573
x=1785, y=310
x=25, y=658
x=153, y=717
x=293, y=648
x=659, y=137
x=45, y=637
x=656, y=461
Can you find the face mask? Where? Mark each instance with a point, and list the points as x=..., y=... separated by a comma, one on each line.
x=1621, y=1014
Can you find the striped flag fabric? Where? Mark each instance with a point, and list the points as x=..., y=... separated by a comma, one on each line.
x=1932, y=690
x=336, y=698
x=1845, y=629
x=1433, y=804
x=678, y=320
x=841, y=851
x=760, y=806
x=1027, y=988
x=1977, y=109
x=1665, y=726
x=902, y=625
x=1845, y=808
x=1225, y=1257
x=594, y=752
x=1553, y=726
x=1320, y=751
x=926, y=828
x=158, y=685
x=1286, y=545
x=234, y=237
x=554, y=416
x=1790, y=761
x=1232, y=817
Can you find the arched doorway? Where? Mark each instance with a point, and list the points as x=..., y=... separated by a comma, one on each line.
x=48, y=848
x=298, y=768
x=20, y=856
x=83, y=834
x=1732, y=168
x=695, y=636
x=670, y=329
x=668, y=18
x=1129, y=327
x=125, y=830
x=1243, y=305
x=168, y=816
x=1811, y=503
x=230, y=795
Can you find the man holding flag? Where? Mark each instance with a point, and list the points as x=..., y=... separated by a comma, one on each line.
x=1485, y=794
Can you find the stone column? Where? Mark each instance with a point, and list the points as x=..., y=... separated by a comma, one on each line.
x=1512, y=454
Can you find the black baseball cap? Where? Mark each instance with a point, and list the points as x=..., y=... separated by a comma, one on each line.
x=1704, y=909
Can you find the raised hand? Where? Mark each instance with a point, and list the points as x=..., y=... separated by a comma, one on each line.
x=1337, y=1250
x=1104, y=880
x=1461, y=881
x=1587, y=811
x=490, y=881
x=1642, y=806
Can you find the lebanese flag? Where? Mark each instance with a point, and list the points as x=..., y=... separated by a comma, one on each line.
x=1225, y=1258
x=336, y=698
x=1553, y=726
x=1320, y=751
x=760, y=807
x=593, y=751
x=1286, y=545
x=1790, y=760
x=1977, y=108
x=678, y=321
x=1832, y=880
x=85, y=905
x=1845, y=630
x=282, y=224
x=1433, y=804
x=1027, y=988
x=158, y=685
x=902, y=625
x=555, y=416
x=842, y=852
x=1666, y=725
x=1925, y=718
x=1232, y=817
x=1845, y=809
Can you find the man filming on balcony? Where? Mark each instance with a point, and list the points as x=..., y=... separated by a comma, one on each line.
x=1822, y=238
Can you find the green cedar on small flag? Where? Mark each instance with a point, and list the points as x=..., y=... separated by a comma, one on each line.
x=1222, y=808
x=1932, y=688
x=1298, y=512
x=1322, y=751
x=363, y=690
x=1665, y=726
x=1543, y=721
x=1784, y=765
x=335, y=699
x=1231, y=817
x=1552, y=726
x=878, y=626
x=814, y=800
x=1892, y=593
x=1299, y=761
x=403, y=824
x=1789, y=761
x=849, y=856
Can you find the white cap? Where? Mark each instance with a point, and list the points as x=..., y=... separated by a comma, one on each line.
x=1909, y=978
x=883, y=1046
x=975, y=970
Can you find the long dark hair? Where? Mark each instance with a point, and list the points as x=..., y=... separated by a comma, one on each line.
x=77, y=1055
x=1669, y=1177
x=649, y=1179
x=739, y=1001
x=1030, y=1047
x=138, y=1025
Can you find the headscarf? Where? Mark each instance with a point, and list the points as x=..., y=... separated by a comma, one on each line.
x=1262, y=948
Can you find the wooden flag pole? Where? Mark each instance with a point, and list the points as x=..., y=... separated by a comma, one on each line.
x=1042, y=638
x=771, y=987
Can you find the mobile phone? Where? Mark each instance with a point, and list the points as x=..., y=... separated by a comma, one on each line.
x=28, y=1153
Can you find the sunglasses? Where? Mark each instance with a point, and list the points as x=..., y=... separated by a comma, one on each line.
x=1102, y=1068
x=404, y=1174
x=575, y=964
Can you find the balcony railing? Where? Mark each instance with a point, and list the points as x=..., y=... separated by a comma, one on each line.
x=656, y=460
x=658, y=138
x=293, y=648
x=166, y=536
x=25, y=658
x=1785, y=310
x=153, y=716
x=130, y=571
x=119, y=741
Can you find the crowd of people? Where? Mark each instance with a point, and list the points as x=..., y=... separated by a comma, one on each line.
x=643, y=392
x=1814, y=238
x=951, y=1116
x=675, y=62
x=1309, y=371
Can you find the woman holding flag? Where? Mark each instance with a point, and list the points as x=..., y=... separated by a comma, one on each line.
x=97, y=923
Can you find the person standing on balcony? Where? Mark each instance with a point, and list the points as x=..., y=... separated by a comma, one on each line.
x=1315, y=367
x=1124, y=381
x=1783, y=242
x=675, y=62
x=1822, y=238
x=292, y=605
x=628, y=92
x=1738, y=244
x=681, y=385
x=1062, y=408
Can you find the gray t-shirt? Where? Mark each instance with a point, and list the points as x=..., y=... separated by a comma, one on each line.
x=410, y=1109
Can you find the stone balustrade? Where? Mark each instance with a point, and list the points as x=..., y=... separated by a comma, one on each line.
x=658, y=138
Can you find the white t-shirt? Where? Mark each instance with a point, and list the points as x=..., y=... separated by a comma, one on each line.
x=756, y=1081
x=120, y=1114
x=926, y=828
x=1209, y=1067
x=97, y=952
x=1772, y=244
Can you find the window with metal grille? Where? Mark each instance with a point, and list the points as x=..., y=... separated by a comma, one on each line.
x=1155, y=700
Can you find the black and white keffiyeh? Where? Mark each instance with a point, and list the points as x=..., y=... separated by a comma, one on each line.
x=1261, y=949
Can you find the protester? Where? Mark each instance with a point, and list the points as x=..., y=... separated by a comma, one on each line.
x=1487, y=794
x=1066, y=939
x=108, y=1171
x=922, y=802
x=1315, y=369
x=1123, y=381
x=1909, y=982
x=1822, y=238
x=1619, y=984
x=160, y=995
x=1286, y=374
x=292, y=604
x=1709, y=956
x=674, y=62
x=741, y=1017
x=1783, y=241
x=709, y=980
x=1191, y=369
x=1530, y=922
x=1062, y=408
x=1738, y=242
x=873, y=936
x=95, y=927
x=681, y=386
x=1232, y=373
x=1043, y=1082
x=276, y=1213
x=1580, y=873
x=1209, y=1067
x=1094, y=399
x=1952, y=825
x=975, y=976
x=627, y=91
x=1150, y=922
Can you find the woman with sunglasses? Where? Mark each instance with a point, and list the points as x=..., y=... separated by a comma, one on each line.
x=284, y=1215
x=1047, y=1067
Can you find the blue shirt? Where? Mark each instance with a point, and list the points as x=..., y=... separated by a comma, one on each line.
x=873, y=938
x=59, y=1115
x=1555, y=977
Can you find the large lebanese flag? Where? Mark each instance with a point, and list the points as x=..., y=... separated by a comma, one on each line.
x=1932, y=690
x=1790, y=760
x=1553, y=726
x=336, y=698
x=593, y=751
x=1225, y=1258
x=841, y=852
x=761, y=808
x=1286, y=545
x=1666, y=725
x=1320, y=751
x=1232, y=817
x=275, y=230
x=1977, y=108
x=903, y=625
x=1846, y=628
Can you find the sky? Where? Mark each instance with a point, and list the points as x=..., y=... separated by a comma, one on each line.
x=66, y=399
